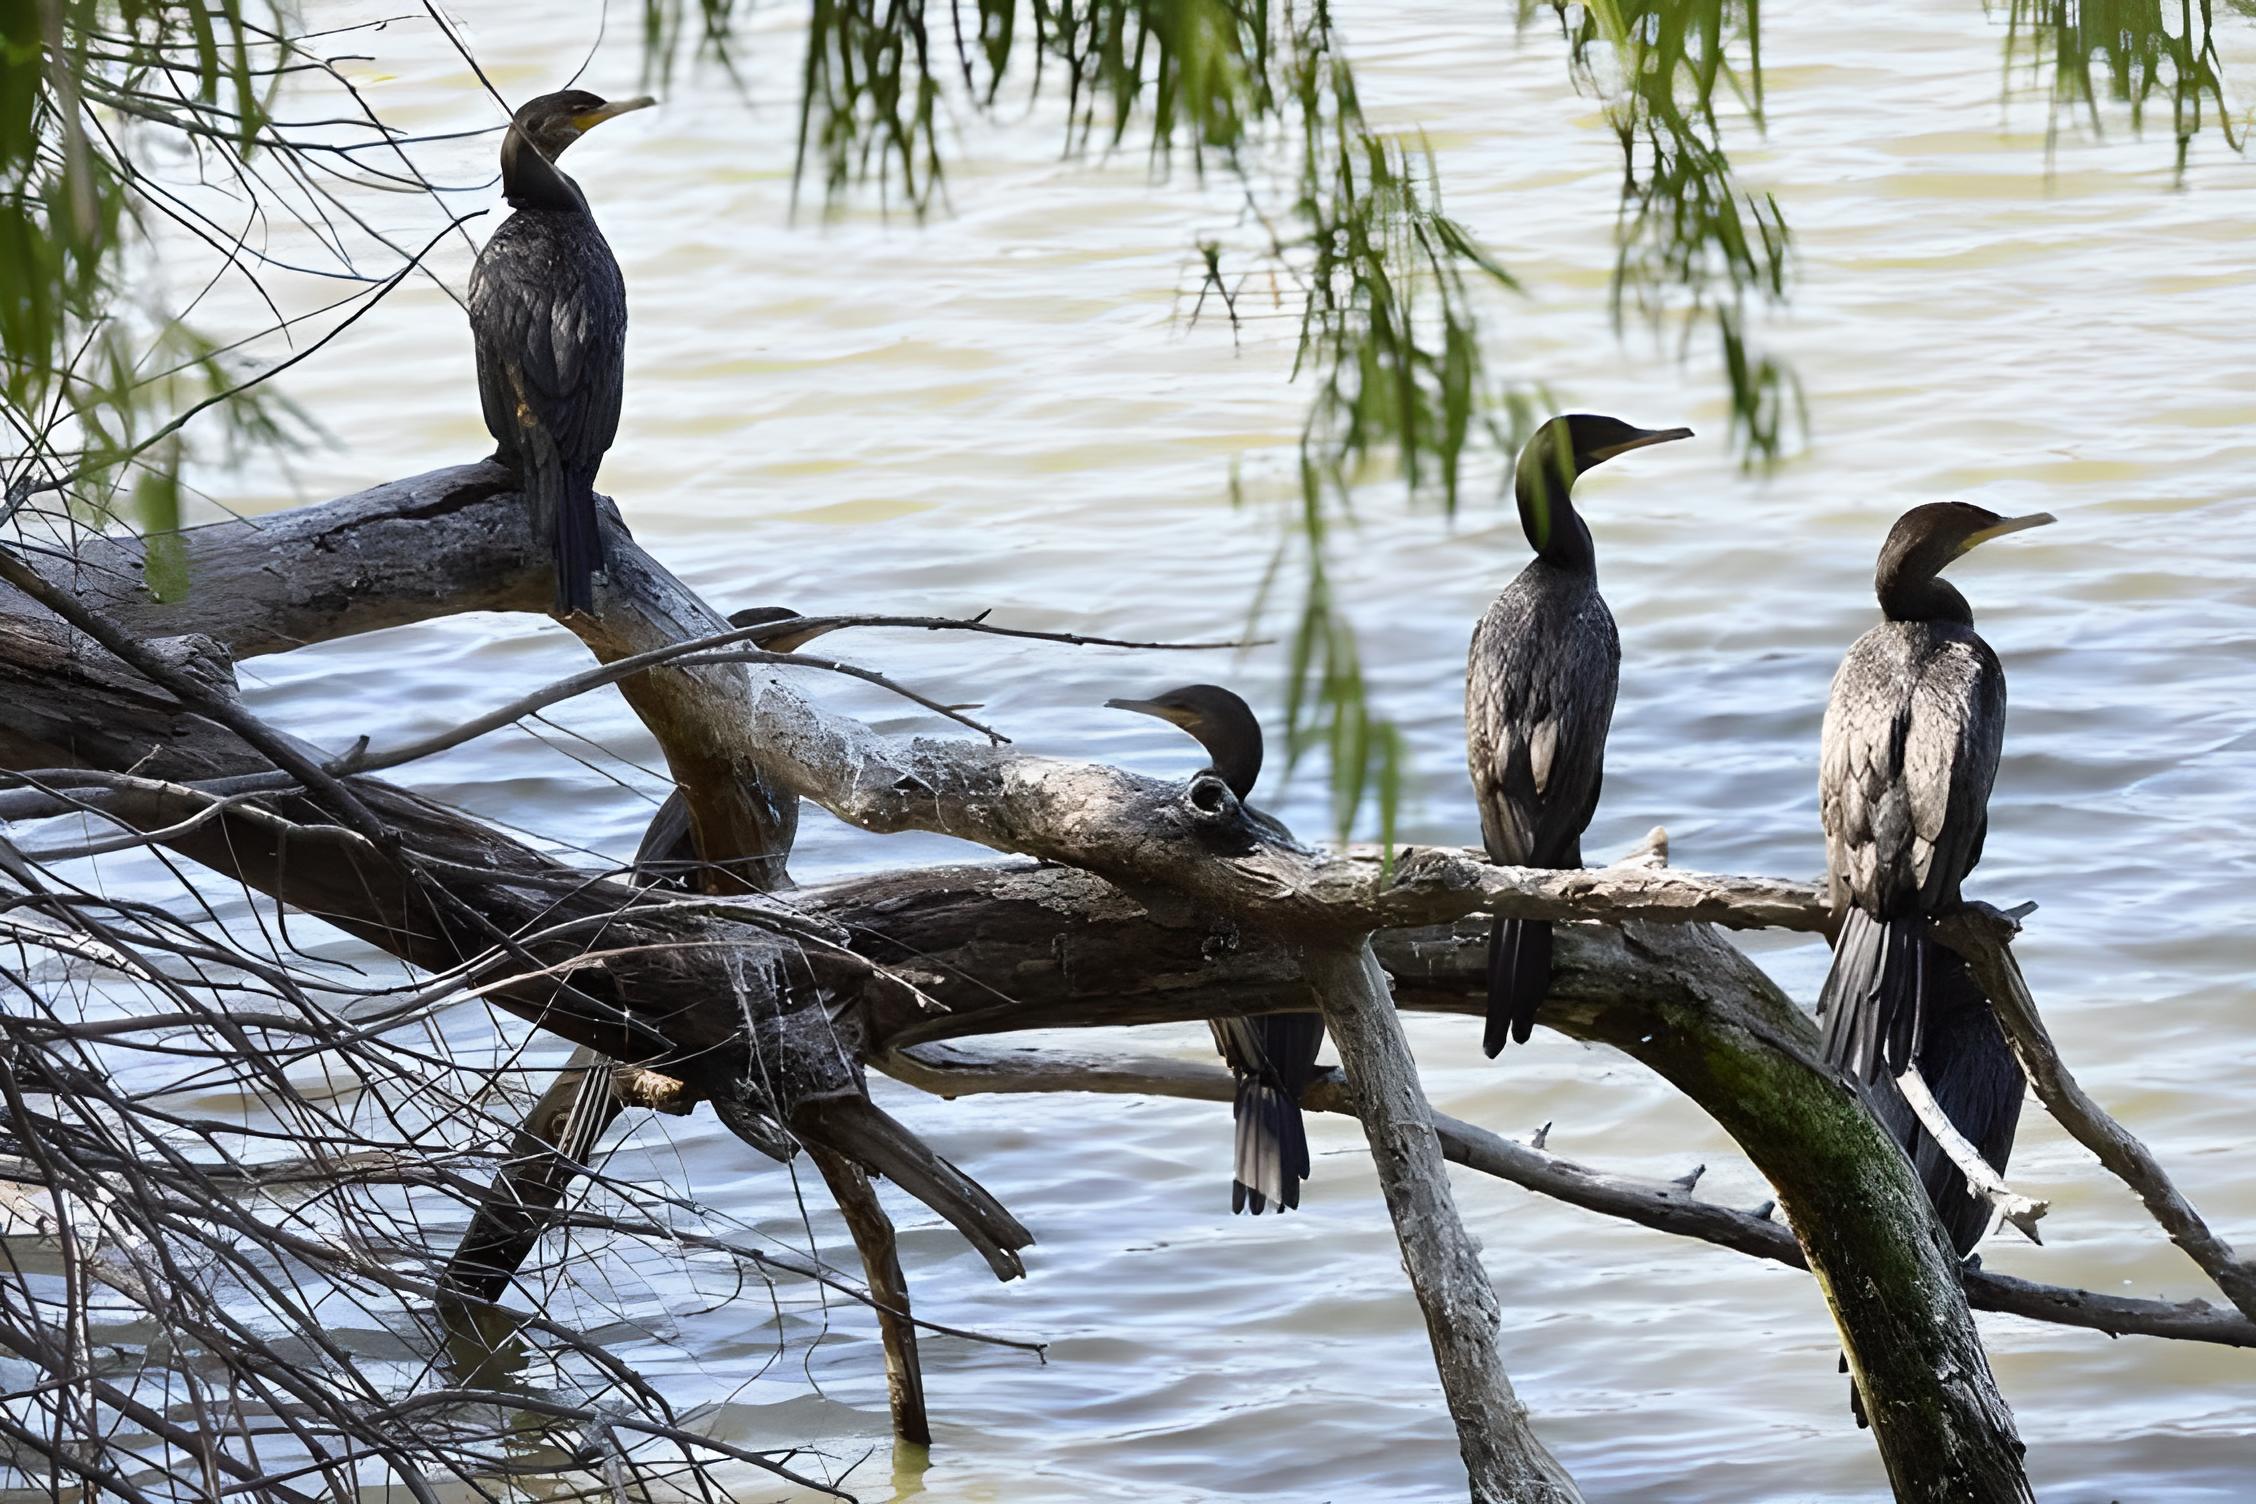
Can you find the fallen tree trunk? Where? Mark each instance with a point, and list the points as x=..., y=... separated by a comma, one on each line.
x=701, y=1014
x=1226, y=911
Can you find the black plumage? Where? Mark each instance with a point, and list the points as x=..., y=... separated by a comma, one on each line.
x=1272, y=1056
x=548, y=314
x=1539, y=699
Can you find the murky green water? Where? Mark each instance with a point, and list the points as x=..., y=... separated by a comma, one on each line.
x=1005, y=409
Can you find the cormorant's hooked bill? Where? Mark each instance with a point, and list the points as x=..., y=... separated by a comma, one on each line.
x=2004, y=525
x=1610, y=436
x=1925, y=541
x=779, y=641
x=553, y=122
x=1573, y=444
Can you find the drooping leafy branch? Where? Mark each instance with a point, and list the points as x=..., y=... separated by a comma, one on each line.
x=131, y=127
x=1390, y=342
x=1694, y=248
x=2134, y=46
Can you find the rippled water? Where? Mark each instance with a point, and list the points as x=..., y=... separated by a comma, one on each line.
x=1005, y=408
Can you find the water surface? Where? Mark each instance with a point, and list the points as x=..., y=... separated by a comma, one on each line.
x=1005, y=408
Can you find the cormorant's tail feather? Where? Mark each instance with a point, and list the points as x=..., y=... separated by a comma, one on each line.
x=579, y=546
x=866, y=1133
x=1972, y=1075
x=564, y=501
x=1519, y=977
x=1874, y=999
x=1272, y=1149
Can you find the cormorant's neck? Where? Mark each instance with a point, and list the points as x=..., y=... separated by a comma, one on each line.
x=1555, y=530
x=1236, y=751
x=531, y=181
x=1905, y=596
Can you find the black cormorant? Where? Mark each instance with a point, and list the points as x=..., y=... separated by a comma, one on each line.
x=1910, y=746
x=1539, y=696
x=563, y=1131
x=548, y=313
x=1913, y=730
x=1272, y=1055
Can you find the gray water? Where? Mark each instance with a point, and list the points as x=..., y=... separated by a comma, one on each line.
x=1006, y=408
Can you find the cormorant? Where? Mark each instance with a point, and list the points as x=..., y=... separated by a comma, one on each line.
x=563, y=1130
x=1911, y=741
x=548, y=313
x=1271, y=1055
x=1539, y=696
x=1913, y=730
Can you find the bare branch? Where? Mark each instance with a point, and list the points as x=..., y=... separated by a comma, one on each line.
x=960, y=1070
x=1983, y=935
x=2021, y=1211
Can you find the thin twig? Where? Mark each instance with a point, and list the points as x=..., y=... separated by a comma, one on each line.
x=2023, y=1212
x=955, y=1070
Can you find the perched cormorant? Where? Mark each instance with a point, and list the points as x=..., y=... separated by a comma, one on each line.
x=1272, y=1055
x=1912, y=734
x=548, y=312
x=1539, y=696
x=1911, y=741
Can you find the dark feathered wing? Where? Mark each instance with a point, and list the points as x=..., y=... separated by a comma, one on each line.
x=1912, y=737
x=1539, y=699
x=548, y=314
x=1273, y=1057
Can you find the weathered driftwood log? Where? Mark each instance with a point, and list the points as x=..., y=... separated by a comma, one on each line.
x=1674, y=995
x=1464, y=1324
x=725, y=727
